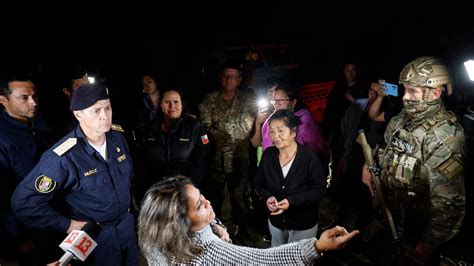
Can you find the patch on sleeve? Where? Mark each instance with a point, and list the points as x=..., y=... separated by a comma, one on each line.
x=117, y=128
x=204, y=139
x=44, y=184
x=451, y=168
x=65, y=146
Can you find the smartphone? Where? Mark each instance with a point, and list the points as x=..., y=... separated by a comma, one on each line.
x=390, y=89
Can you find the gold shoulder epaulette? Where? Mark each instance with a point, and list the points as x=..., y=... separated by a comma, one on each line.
x=65, y=146
x=117, y=128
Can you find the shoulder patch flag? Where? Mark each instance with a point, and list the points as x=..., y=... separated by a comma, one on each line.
x=204, y=139
x=65, y=146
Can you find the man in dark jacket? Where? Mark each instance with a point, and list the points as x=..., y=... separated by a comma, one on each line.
x=23, y=138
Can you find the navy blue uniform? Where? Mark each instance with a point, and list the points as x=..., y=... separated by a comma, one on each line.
x=93, y=189
x=21, y=146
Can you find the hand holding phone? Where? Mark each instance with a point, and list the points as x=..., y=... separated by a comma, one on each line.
x=390, y=89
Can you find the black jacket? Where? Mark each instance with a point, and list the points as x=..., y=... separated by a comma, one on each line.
x=183, y=150
x=303, y=186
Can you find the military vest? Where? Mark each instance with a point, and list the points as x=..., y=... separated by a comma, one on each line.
x=406, y=160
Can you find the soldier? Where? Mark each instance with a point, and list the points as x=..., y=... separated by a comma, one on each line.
x=91, y=169
x=422, y=166
x=228, y=114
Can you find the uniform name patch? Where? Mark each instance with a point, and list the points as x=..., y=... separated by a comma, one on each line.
x=90, y=172
x=204, y=139
x=44, y=184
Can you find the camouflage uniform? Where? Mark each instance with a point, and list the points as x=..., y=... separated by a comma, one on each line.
x=422, y=171
x=230, y=125
x=422, y=166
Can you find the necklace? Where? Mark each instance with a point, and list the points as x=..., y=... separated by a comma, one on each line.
x=291, y=159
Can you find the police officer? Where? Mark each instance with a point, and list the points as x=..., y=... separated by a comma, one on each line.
x=422, y=166
x=91, y=168
x=175, y=143
x=23, y=138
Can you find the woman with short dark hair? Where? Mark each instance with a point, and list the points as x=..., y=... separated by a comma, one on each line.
x=290, y=182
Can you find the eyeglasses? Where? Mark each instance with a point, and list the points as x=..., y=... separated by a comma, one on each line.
x=279, y=101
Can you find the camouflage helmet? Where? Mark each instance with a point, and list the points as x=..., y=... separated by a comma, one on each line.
x=425, y=71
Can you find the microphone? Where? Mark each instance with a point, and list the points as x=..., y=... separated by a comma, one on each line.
x=79, y=244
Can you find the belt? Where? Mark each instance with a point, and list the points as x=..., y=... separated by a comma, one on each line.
x=114, y=222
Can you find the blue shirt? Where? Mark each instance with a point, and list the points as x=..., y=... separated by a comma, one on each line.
x=93, y=189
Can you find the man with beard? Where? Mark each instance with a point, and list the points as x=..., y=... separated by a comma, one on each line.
x=422, y=166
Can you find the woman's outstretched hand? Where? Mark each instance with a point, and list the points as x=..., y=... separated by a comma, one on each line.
x=334, y=238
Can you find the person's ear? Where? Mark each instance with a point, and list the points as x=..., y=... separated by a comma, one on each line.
x=436, y=92
x=294, y=131
x=3, y=100
x=78, y=115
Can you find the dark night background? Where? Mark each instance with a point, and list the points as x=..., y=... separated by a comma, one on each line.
x=185, y=43
x=180, y=40
x=121, y=41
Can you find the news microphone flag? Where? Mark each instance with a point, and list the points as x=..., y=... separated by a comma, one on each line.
x=79, y=243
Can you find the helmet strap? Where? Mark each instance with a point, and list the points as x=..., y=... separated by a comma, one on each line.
x=426, y=93
x=450, y=89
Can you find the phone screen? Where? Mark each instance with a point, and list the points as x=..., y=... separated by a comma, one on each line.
x=390, y=89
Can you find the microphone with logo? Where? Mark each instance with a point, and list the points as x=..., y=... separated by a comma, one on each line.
x=79, y=244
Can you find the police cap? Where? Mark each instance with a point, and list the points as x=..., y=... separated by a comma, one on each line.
x=87, y=95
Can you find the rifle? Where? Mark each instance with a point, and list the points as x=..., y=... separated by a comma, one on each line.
x=379, y=197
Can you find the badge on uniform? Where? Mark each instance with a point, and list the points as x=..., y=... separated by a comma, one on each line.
x=117, y=128
x=44, y=184
x=204, y=139
x=121, y=158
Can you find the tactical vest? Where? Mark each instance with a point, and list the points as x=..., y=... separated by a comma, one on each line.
x=406, y=160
